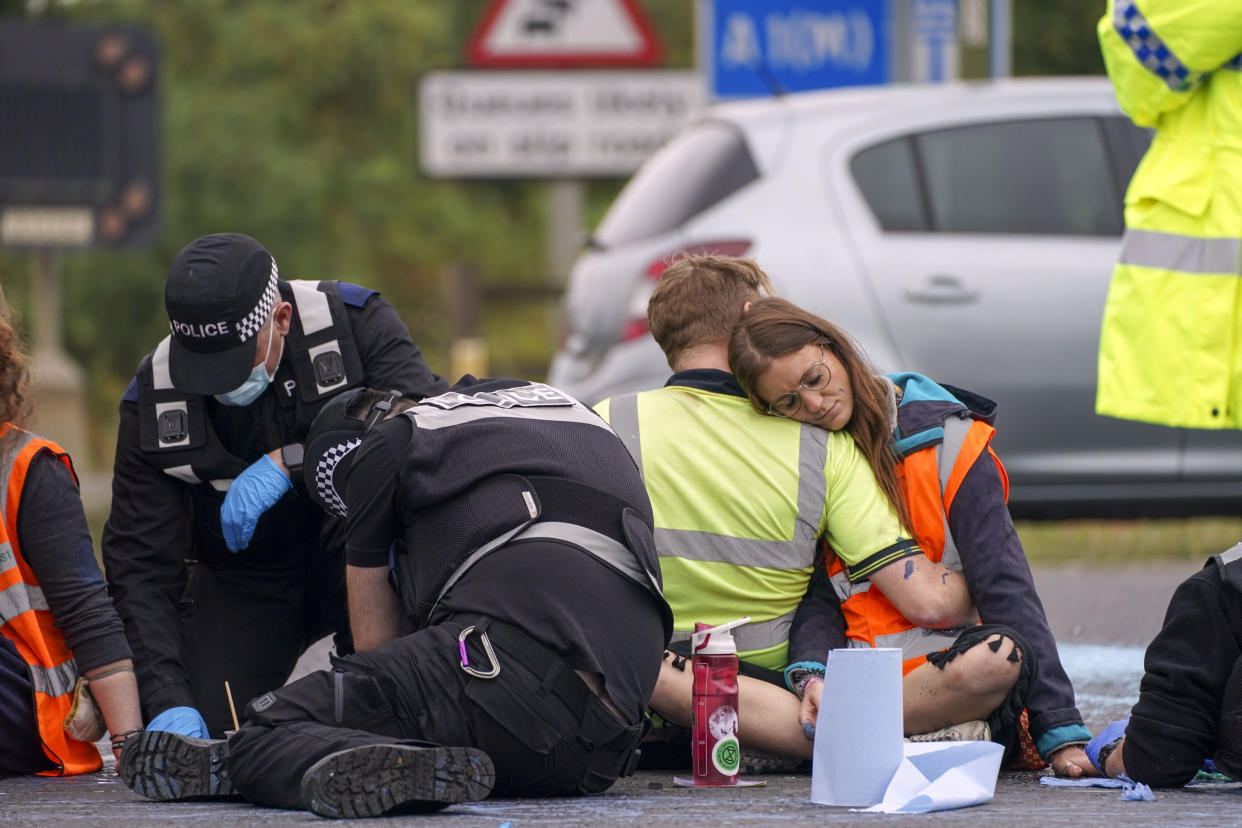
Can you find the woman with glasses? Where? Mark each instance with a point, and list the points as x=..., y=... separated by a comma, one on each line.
x=928, y=445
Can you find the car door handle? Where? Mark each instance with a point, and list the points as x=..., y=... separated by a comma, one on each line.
x=942, y=289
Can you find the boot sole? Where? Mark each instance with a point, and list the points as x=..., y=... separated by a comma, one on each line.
x=167, y=766
x=373, y=780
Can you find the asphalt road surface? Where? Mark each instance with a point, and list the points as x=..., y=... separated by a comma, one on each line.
x=1101, y=617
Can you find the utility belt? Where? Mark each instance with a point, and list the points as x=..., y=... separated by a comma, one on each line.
x=488, y=646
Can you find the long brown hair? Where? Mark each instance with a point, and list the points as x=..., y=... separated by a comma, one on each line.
x=774, y=327
x=14, y=404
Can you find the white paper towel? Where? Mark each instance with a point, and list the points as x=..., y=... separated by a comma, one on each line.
x=938, y=776
x=859, y=735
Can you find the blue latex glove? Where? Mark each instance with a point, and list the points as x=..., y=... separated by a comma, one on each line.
x=253, y=492
x=1106, y=736
x=183, y=720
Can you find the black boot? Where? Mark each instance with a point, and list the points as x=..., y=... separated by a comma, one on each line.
x=376, y=779
x=161, y=765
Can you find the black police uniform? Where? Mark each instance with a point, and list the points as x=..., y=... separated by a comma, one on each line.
x=196, y=614
x=1190, y=699
x=525, y=535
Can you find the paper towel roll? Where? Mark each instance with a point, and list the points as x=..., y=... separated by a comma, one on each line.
x=859, y=734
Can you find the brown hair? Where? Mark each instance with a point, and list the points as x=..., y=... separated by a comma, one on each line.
x=14, y=404
x=698, y=301
x=775, y=327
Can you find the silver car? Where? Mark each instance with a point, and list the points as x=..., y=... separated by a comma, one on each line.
x=965, y=231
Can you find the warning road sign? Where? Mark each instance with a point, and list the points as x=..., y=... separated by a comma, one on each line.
x=564, y=33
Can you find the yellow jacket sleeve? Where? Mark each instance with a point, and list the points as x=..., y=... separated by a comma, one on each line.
x=1158, y=52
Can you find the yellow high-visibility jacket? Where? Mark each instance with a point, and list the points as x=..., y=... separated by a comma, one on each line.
x=1171, y=342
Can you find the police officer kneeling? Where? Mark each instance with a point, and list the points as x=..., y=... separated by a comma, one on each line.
x=524, y=624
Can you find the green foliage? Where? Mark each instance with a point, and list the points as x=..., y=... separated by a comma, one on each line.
x=1056, y=37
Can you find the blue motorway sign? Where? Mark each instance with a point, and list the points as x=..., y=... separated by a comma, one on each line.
x=762, y=47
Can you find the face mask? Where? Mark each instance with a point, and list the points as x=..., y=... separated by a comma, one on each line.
x=257, y=382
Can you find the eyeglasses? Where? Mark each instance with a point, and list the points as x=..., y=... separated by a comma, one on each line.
x=787, y=405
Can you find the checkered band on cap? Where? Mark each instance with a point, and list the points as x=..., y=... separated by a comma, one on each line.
x=1150, y=50
x=253, y=321
x=325, y=485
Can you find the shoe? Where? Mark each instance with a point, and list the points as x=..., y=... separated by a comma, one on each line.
x=375, y=779
x=162, y=765
x=754, y=762
x=976, y=731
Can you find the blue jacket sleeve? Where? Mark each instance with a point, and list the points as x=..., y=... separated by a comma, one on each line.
x=818, y=625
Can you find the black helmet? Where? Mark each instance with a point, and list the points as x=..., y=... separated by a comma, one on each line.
x=333, y=437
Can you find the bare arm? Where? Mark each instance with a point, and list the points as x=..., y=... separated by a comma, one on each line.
x=374, y=612
x=926, y=593
x=116, y=693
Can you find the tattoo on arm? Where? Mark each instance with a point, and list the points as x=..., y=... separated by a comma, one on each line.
x=943, y=577
x=909, y=570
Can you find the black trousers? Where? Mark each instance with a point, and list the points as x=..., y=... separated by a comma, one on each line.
x=414, y=691
x=21, y=750
x=248, y=620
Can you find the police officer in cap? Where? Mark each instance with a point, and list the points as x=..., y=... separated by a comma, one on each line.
x=220, y=567
x=523, y=626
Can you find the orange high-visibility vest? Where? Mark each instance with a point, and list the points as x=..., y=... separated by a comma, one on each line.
x=930, y=478
x=25, y=619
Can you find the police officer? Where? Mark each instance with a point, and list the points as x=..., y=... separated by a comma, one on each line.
x=213, y=553
x=527, y=568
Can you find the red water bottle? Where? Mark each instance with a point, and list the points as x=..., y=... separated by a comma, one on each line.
x=713, y=658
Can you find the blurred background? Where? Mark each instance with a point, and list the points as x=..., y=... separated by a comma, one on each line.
x=299, y=122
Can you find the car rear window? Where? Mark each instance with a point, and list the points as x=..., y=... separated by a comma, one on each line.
x=699, y=167
x=1037, y=176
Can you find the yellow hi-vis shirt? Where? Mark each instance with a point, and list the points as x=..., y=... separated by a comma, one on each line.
x=740, y=501
x=1171, y=341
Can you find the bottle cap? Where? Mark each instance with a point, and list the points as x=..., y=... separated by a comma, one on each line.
x=716, y=640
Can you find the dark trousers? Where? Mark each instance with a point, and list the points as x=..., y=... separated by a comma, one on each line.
x=247, y=622
x=21, y=750
x=414, y=691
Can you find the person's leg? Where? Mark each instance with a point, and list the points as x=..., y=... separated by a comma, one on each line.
x=333, y=742
x=244, y=625
x=970, y=685
x=20, y=746
x=767, y=714
x=1228, y=755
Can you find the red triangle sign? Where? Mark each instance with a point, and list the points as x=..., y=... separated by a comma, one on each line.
x=533, y=34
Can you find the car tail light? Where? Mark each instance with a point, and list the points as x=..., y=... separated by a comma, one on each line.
x=636, y=319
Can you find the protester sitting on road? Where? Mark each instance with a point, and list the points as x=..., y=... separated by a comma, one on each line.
x=525, y=579
x=1189, y=707
x=928, y=446
x=220, y=567
x=57, y=622
x=740, y=503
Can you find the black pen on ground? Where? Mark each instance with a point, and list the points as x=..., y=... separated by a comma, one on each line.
x=808, y=730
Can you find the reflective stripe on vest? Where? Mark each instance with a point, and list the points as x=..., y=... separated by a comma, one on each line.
x=757, y=635
x=54, y=681
x=913, y=643
x=611, y=552
x=623, y=417
x=1184, y=254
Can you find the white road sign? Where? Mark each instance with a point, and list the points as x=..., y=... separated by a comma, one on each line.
x=550, y=124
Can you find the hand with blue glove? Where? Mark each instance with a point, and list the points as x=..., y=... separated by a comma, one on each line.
x=1106, y=737
x=183, y=720
x=253, y=492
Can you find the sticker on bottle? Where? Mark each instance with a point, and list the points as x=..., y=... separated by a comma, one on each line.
x=727, y=756
x=723, y=722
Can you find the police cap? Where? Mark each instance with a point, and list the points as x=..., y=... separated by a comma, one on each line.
x=220, y=292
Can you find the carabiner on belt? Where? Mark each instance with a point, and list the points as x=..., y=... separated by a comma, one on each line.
x=487, y=648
